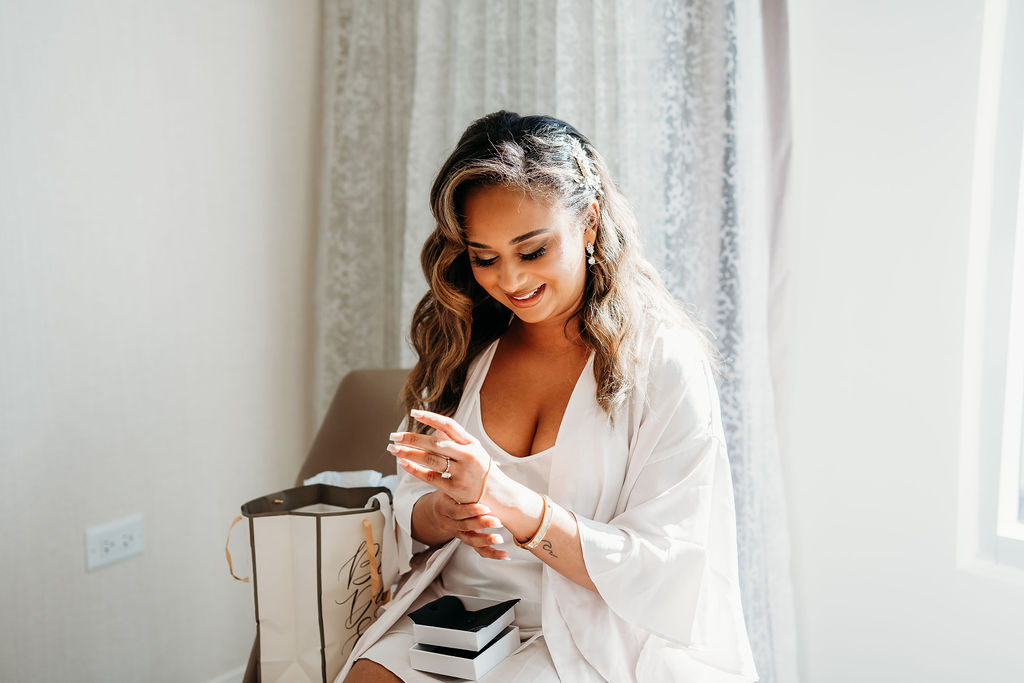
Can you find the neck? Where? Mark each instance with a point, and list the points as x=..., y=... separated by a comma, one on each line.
x=554, y=335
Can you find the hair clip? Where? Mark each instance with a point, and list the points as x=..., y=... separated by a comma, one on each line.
x=583, y=164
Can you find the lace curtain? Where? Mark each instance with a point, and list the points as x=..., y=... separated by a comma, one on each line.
x=687, y=101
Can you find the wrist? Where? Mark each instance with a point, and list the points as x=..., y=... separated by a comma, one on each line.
x=425, y=520
x=520, y=509
x=499, y=492
x=547, y=517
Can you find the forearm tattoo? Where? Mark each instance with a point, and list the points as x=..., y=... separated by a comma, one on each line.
x=547, y=547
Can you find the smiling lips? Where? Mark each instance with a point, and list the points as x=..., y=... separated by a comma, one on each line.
x=529, y=299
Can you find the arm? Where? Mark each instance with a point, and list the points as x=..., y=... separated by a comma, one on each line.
x=666, y=560
x=521, y=511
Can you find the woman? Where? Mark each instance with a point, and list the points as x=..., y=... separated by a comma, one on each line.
x=564, y=443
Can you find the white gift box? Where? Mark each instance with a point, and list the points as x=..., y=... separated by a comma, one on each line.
x=467, y=664
x=465, y=640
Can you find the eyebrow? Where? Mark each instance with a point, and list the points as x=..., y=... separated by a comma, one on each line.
x=517, y=240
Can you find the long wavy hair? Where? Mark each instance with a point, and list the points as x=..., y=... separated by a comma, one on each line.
x=551, y=161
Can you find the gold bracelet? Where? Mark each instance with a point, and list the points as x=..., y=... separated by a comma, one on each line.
x=484, y=487
x=545, y=524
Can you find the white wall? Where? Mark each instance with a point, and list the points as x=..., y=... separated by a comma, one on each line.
x=158, y=165
x=884, y=97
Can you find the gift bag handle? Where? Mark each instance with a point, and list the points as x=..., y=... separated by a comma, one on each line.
x=228, y=552
x=375, y=581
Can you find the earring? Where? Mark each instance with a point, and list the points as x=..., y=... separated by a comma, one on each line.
x=590, y=253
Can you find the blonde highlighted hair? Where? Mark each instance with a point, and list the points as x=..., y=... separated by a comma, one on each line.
x=551, y=161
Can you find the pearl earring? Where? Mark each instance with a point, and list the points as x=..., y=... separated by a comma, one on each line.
x=590, y=253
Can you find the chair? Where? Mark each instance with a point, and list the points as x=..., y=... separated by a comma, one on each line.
x=352, y=436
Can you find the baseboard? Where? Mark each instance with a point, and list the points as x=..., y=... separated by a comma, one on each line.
x=233, y=676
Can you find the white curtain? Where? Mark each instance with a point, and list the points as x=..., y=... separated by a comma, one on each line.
x=687, y=99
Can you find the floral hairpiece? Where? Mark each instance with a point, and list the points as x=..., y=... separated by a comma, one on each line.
x=590, y=179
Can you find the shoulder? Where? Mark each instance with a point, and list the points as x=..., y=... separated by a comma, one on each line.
x=674, y=349
x=478, y=365
x=676, y=375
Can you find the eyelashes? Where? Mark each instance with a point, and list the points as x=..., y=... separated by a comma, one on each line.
x=482, y=263
x=532, y=256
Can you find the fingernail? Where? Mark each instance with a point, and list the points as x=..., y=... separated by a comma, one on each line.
x=444, y=444
x=392, y=448
x=397, y=436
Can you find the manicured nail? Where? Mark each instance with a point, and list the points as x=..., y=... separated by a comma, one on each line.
x=392, y=448
x=396, y=436
x=415, y=413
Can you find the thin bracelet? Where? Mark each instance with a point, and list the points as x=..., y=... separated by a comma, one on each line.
x=545, y=524
x=484, y=487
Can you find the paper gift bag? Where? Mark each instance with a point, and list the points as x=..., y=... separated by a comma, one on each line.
x=323, y=561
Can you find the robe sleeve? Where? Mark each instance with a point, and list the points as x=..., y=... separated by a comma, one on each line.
x=409, y=490
x=651, y=562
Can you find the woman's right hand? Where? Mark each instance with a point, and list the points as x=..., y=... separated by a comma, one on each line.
x=468, y=522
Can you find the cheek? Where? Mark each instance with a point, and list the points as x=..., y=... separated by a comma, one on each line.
x=570, y=266
x=484, y=277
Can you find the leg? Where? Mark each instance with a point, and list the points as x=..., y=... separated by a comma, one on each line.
x=369, y=671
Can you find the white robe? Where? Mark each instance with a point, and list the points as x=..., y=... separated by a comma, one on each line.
x=652, y=494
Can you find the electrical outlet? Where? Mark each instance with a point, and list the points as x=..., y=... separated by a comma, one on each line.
x=114, y=542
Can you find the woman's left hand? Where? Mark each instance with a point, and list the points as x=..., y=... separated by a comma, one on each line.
x=449, y=450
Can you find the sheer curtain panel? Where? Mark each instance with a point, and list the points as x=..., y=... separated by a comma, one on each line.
x=688, y=101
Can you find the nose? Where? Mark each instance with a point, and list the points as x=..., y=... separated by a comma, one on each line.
x=511, y=276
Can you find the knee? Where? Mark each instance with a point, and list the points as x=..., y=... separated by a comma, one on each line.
x=367, y=671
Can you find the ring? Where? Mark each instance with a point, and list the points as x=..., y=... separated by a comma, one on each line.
x=447, y=464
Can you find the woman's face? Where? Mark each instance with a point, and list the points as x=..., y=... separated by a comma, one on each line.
x=527, y=254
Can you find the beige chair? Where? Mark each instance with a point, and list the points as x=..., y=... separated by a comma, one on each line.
x=353, y=436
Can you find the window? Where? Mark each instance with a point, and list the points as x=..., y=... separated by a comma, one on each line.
x=1011, y=475
x=992, y=446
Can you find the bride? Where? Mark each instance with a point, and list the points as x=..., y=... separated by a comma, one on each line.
x=564, y=444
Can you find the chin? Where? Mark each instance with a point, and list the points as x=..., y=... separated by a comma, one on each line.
x=528, y=315
x=535, y=316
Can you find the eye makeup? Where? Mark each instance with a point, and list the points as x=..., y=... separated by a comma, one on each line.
x=531, y=256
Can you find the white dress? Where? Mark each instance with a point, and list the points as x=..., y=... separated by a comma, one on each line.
x=652, y=494
x=521, y=575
